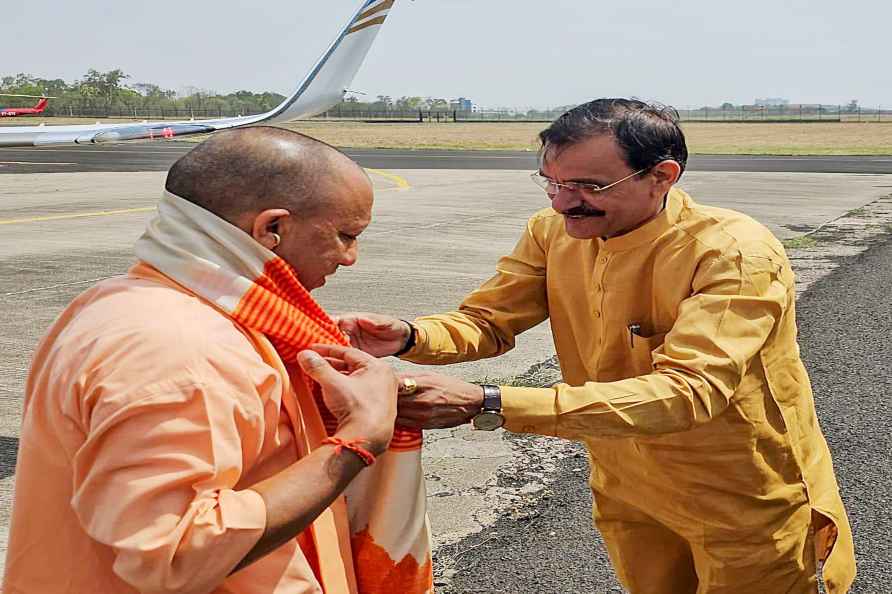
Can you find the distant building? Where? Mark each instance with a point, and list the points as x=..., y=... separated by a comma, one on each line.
x=771, y=102
x=462, y=104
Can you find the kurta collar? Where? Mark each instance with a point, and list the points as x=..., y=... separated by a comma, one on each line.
x=650, y=231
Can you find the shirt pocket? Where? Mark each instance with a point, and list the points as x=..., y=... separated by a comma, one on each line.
x=641, y=350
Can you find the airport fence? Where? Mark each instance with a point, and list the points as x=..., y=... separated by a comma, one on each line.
x=753, y=114
x=797, y=113
x=787, y=113
x=148, y=113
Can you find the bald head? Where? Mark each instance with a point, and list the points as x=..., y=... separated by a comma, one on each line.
x=238, y=172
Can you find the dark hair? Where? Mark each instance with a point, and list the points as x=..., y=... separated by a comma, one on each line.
x=647, y=133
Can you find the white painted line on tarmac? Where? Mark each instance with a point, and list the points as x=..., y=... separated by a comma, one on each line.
x=91, y=150
x=59, y=286
x=799, y=158
x=32, y=163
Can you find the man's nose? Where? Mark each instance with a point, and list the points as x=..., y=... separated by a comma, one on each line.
x=350, y=255
x=565, y=200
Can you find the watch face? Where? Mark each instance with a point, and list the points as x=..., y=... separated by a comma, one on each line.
x=488, y=420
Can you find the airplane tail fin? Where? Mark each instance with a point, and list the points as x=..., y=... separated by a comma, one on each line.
x=321, y=89
x=325, y=85
x=41, y=105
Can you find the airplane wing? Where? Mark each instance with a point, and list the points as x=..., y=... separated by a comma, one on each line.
x=322, y=88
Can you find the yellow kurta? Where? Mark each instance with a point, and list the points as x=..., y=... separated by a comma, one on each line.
x=677, y=343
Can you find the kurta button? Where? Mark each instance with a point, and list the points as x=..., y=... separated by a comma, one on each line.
x=597, y=314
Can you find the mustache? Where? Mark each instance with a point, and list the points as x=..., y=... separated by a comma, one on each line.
x=583, y=211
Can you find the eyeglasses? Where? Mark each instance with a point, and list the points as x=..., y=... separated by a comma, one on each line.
x=552, y=187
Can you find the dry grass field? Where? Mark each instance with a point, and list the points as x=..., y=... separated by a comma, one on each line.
x=830, y=138
x=703, y=138
x=771, y=138
x=461, y=135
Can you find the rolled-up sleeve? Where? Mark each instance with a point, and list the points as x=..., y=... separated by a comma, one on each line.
x=155, y=481
x=733, y=309
x=489, y=319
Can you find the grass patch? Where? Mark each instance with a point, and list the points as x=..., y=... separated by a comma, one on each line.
x=540, y=375
x=517, y=381
x=862, y=213
x=803, y=242
x=831, y=138
x=703, y=138
x=519, y=136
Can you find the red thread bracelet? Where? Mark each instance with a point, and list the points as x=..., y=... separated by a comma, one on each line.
x=354, y=446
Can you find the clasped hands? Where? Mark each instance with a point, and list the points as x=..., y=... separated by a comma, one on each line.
x=435, y=401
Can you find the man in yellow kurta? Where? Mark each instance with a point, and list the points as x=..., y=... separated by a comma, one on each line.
x=674, y=324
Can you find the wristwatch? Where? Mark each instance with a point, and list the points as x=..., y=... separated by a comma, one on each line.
x=490, y=416
x=410, y=342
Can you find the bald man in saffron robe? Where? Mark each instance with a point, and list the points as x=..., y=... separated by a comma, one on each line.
x=178, y=436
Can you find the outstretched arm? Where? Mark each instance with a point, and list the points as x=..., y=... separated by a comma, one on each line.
x=485, y=325
x=720, y=329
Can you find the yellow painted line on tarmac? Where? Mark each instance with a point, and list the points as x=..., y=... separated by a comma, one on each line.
x=77, y=215
x=401, y=182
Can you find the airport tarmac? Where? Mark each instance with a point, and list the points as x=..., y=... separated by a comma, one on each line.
x=158, y=156
x=436, y=234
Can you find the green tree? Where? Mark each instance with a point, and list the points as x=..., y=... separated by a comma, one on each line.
x=26, y=84
x=104, y=85
x=437, y=104
x=153, y=91
x=409, y=102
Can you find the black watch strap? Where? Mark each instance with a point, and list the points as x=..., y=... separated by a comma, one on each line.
x=410, y=343
x=492, y=398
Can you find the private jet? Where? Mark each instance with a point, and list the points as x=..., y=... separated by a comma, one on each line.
x=323, y=87
x=11, y=112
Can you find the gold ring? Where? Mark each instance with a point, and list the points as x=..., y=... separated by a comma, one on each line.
x=408, y=386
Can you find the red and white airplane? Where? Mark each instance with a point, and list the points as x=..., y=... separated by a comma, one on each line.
x=9, y=112
x=322, y=88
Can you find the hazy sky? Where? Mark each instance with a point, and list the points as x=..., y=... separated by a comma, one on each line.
x=496, y=52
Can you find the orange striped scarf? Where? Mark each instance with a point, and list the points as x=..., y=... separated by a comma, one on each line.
x=388, y=527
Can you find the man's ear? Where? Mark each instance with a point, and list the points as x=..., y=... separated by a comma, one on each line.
x=265, y=229
x=666, y=173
